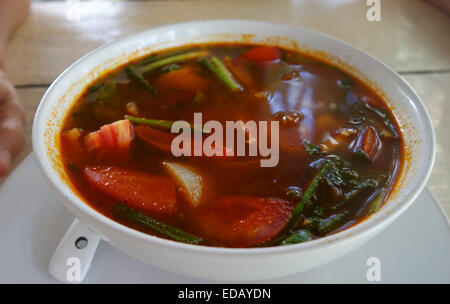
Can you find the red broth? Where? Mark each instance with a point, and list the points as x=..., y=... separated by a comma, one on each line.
x=340, y=148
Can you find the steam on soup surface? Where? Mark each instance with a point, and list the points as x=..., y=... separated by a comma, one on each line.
x=339, y=147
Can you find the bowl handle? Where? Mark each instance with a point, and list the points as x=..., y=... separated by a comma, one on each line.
x=73, y=256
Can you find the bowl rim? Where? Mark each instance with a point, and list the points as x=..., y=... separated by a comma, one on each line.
x=82, y=209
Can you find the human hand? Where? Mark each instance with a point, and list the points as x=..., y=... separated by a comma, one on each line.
x=12, y=120
x=443, y=5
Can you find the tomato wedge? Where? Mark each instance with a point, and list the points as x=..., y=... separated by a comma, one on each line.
x=262, y=54
x=245, y=221
x=115, y=135
x=142, y=191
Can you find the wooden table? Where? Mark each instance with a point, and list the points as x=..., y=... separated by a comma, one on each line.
x=412, y=38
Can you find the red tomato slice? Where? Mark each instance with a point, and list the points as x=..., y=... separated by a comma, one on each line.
x=142, y=191
x=115, y=135
x=262, y=54
x=109, y=138
x=123, y=133
x=245, y=221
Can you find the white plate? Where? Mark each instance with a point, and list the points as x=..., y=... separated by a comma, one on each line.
x=416, y=248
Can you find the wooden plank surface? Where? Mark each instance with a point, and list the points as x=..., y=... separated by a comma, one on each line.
x=412, y=37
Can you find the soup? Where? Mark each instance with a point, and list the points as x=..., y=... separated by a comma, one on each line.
x=338, y=146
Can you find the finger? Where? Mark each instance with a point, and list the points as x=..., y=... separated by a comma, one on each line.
x=11, y=135
x=12, y=120
x=5, y=162
x=11, y=143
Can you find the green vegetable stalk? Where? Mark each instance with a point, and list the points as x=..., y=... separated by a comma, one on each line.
x=160, y=227
x=308, y=194
x=298, y=236
x=159, y=123
x=328, y=224
x=172, y=59
x=376, y=203
x=139, y=79
x=218, y=68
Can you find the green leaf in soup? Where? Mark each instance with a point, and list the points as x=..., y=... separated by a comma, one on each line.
x=332, y=222
x=298, y=236
x=134, y=75
x=222, y=73
x=318, y=211
x=347, y=197
x=106, y=92
x=156, y=57
x=95, y=87
x=157, y=123
x=171, y=59
x=376, y=203
x=309, y=192
x=312, y=149
x=105, y=103
x=171, y=67
x=158, y=226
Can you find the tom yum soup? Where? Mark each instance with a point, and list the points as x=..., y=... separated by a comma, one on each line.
x=333, y=146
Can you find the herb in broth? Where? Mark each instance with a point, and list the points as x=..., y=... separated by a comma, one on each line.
x=313, y=149
x=299, y=236
x=376, y=203
x=162, y=228
x=172, y=59
x=158, y=123
x=293, y=222
x=339, y=147
x=171, y=67
x=222, y=73
x=139, y=79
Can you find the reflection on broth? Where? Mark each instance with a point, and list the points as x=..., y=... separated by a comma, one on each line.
x=339, y=147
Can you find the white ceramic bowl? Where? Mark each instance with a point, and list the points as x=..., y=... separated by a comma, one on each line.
x=227, y=263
